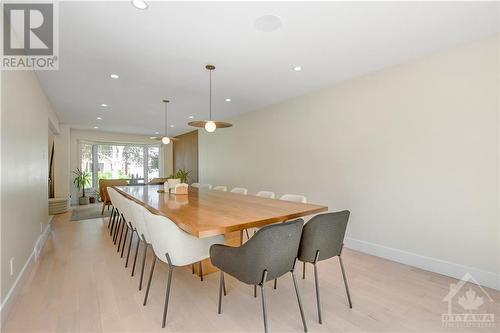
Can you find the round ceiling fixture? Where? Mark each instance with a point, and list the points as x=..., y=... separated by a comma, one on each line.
x=297, y=68
x=209, y=124
x=268, y=23
x=140, y=4
x=114, y=76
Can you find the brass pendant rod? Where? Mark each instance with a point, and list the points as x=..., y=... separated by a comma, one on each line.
x=166, y=101
x=210, y=94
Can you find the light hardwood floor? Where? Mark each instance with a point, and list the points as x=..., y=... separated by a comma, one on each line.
x=80, y=284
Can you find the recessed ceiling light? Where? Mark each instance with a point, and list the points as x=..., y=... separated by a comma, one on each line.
x=228, y=99
x=139, y=4
x=297, y=68
x=157, y=132
x=191, y=117
x=114, y=76
x=96, y=127
x=99, y=118
x=267, y=23
x=104, y=105
x=172, y=126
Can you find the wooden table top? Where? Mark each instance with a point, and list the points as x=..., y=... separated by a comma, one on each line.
x=204, y=212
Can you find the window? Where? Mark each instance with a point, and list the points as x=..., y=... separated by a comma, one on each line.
x=139, y=163
x=153, y=162
x=86, y=158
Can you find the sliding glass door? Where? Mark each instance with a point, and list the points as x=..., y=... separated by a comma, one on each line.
x=138, y=163
x=153, y=162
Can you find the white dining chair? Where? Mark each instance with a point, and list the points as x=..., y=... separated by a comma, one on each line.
x=261, y=194
x=294, y=198
x=220, y=188
x=127, y=226
x=239, y=190
x=205, y=186
x=266, y=194
x=130, y=221
x=144, y=238
x=117, y=218
x=113, y=218
x=195, y=184
x=176, y=248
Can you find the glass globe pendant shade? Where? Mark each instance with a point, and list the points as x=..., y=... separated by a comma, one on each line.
x=165, y=140
x=210, y=126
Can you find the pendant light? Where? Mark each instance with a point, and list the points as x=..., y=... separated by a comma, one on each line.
x=209, y=124
x=165, y=139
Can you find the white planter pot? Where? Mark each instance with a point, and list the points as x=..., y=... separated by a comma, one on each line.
x=83, y=200
x=173, y=182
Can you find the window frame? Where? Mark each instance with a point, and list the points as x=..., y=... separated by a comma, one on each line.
x=95, y=166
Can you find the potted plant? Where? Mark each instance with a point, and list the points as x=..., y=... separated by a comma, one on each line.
x=81, y=180
x=183, y=175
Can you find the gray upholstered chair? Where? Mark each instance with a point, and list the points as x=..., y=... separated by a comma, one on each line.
x=269, y=254
x=323, y=238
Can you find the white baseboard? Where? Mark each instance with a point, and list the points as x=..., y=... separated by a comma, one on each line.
x=485, y=278
x=11, y=296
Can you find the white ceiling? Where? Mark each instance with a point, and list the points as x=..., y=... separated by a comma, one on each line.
x=162, y=51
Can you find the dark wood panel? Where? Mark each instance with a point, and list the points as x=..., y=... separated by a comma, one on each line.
x=204, y=212
x=185, y=153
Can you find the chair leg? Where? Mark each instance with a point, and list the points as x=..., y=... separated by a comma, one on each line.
x=125, y=239
x=192, y=268
x=169, y=283
x=112, y=222
x=303, y=270
x=275, y=283
x=109, y=221
x=246, y=231
x=318, y=300
x=143, y=263
x=136, y=251
x=221, y=283
x=129, y=246
x=117, y=227
x=149, y=280
x=200, y=266
x=264, y=311
x=316, y=284
x=255, y=290
x=103, y=206
x=299, y=301
x=124, y=223
x=345, y=282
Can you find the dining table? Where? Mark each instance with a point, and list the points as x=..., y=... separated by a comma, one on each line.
x=203, y=212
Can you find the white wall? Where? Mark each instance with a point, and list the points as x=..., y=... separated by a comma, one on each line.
x=25, y=117
x=412, y=151
x=61, y=162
